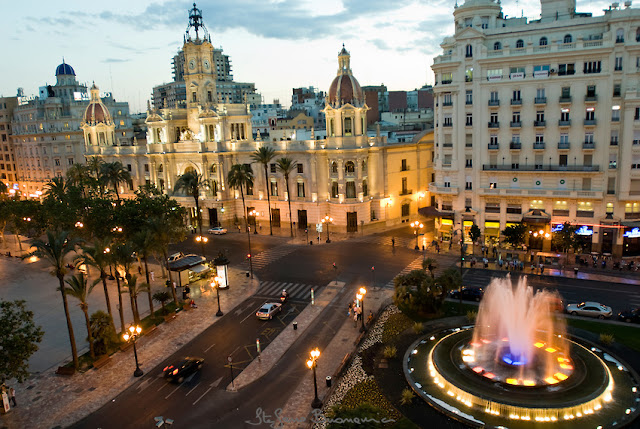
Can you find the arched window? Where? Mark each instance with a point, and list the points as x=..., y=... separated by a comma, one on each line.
x=469, y=51
x=349, y=167
x=568, y=38
x=497, y=46
x=619, y=35
x=334, y=189
x=334, y=167
x=189, y=169
x=520, y=44
x=348, y=127
x=214, y=169
x=543, y=41
x=160, y=169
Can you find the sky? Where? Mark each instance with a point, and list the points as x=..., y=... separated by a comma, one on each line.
x=126, y=46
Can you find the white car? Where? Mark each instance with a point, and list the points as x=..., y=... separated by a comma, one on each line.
x=175, y=256
x=217, y=230
x=590, y=309
x=268, y=310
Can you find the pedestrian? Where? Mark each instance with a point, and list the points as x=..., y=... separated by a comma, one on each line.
x=355, y=318
x=193, y=304
x=370, y=318
x=12, y=396
x=393, y=242
x=450, y=244
x=359, y=313
x=139, y=269
x=349, y=310
x=153, y=276
x=541, y=268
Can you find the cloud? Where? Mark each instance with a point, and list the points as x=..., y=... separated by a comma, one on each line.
x=115, y=60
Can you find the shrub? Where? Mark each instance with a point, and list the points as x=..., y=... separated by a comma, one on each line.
x=471, y=316
x=395, y=324
x=104, y=335
x=418, y=327
x=368, y=391
x=368, y=357
x=162, y=297
x=407, y=396
x=607, y=339
x=390, y=352
x=351, y=418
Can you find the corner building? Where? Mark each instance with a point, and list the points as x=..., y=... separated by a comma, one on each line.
x=356, y=179
x=539, y=122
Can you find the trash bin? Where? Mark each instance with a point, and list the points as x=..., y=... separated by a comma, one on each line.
x=575, y=271
x=295, y=326
x=328, y=381
x=310, y=242
x=247, y=273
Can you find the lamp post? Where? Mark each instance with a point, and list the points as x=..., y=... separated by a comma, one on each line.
x=255, y=223
x=216, y=285
x=362, y=292
x=327, y=220
x=416, y=227
x=132, y=335
x=202, y=240
x=312, y=363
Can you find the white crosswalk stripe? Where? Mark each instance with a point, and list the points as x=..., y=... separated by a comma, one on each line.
x=415, y=265
x=297, y=291
x=263, y=259
x=385, y=240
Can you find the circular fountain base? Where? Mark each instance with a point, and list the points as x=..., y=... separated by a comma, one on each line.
x=598, y=390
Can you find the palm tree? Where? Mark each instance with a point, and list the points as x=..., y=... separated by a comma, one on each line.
x=191, y=183
x=55, y=250
x=166, y=232
x=134, y=289
x=98, y=257
x=56, y=189
x=263, y=156
x=144, y=242
x=3, y=188
x=94, y=169
x=115, y=174
x=241, y=175
x=77, y=175
x=80, y=290
x=121, y=256
x=286, y=166
x=162, y=297
x=431, y=265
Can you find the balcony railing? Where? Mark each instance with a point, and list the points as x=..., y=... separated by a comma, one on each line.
x=589, y=122
x=588, y=145
x=539, y=123
x=447, y=124
x=566, y=123
x=592, y=97
x=493, y=146
x=564, y=99
x=447, y=103
x=494, y=102
x=538, y=145
x=517, y=102
x=494, y=125
x=515, y=145
x=516, y=124
x=490, y=167
x=564, y=145
x=540, y=100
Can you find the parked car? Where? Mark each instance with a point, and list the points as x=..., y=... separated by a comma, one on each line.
x=175, y=256
x=630, y=315
x=468, y=293
x=217, y=230
x=268, y=310
x=590, y=309
x=183, y=369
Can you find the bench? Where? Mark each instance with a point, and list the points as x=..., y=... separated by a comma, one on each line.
x=126, y=346
x=342, y=365
x=151, y=330
x=65, y=370
x=102, y=361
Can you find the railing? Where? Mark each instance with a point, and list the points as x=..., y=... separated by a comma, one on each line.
x=539, y=123
x=540, y=100
x=514, y=145
x=442, y=189
x=521, y=167
x=588, y=145
x=494, y=125
x=515, y=124
x=566, y=123
x=447, y=103
x=447, y=124
x=493, y=146
x=566, y=99
x=589, y=122
x=516, y=102
x=538, y=145
x=494, y=102
x=591, y=98
x=592, y=44
x=564, y=145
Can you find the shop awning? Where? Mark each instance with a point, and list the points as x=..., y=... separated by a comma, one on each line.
x=199, y=269
x=429, y=211
x=536, y=216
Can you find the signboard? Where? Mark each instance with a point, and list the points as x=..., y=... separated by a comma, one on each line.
x=222, y=273
x=557, y=227
x=319, y=227
x=495, y=77
x=634, y=233
x=5, y=402
x=517, y=76
x=584, y=230
x=540, y=74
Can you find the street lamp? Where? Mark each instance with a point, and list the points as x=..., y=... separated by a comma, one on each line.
x=202, y=240
x=416, y=227
x=420, y=196
x=255, y=223
x=328, y=221
x=216, y=285
x=360, y=297
x=134, y=332
x=312, y=363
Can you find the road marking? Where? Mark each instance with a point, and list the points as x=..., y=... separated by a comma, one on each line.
x=163, y=386
x=146, y=383
x=211, y=386
x=174, y=390
x=209, y=348
x=192, y=389
x=248, y=315
x=241, y=310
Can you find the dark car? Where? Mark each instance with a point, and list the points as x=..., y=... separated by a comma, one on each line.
x=468, y=293
x=630, y=315
x=182, y=369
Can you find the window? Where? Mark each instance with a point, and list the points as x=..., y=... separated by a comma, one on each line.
x=484, y=22
x=300, y=168
x=590, y=114
x=514, y=209
x=493, y=139
x=272, y=168
x=615, y=114
x=540, y=94
x=516, y=73
x=614, y=137
x=349, y=167
x=334, y=189
x=468, y=22
x=365, y=188
x=468, y=75
x=493, y=184
x=364, y=166
x=618, y=64
x=404, y=165
x=515, y=118
x=539, y=138
x=447, y=99
x=592, y=67
x=56, y=162
x=468, y=185
x=617, y=89
x=516, y=95
x=562, y=160
x=274, y=188
x=194, y=98
x=591, y=91
x=588, y=138
x=469, y=119
x=564, y=115
x=347, y=126
x=566, y=69
x=494, y=96
x=567, y=39
x=69, y=161
x=613, y=161
x=468, y=50
x=468, y=162
x=543, y=41
x=300, y=189
x=249, y=189
x=493, y=118
x=129, y=167
x=447, y=77
x=619, y=35
x=519, y=44
x=494, y=74
x=334, y=167
x=588, y=160
x=469, y=97
x=497, y=46
x=492, y=208
x=538, y=162
x=404, y=186
x=447, y=121
x=405, y=209
x=540, y=116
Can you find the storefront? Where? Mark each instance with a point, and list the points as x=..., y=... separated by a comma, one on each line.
x=467, y=231
x=446, y=229
x=491, y=233
x=631, y=241
x=584, y=237
x=537, y=222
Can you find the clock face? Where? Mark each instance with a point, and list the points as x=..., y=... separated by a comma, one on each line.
x=206, y=64
x=192, y=64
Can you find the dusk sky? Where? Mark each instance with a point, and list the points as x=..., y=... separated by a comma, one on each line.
x=126, y=46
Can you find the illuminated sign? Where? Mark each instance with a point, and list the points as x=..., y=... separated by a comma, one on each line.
x=584, y=230
x=634, y=233
x=557, y=227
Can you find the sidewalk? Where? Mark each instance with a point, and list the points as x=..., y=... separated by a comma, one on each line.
x=67, y=399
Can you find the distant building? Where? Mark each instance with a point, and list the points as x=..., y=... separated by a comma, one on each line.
x=264, y=117
x=7, y=156
x=312, y=102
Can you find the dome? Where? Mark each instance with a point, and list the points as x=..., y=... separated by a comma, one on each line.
x=345, y=87
x=96, y=112
x=65, y=68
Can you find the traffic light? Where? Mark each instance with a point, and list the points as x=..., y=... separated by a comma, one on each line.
x=248, y=255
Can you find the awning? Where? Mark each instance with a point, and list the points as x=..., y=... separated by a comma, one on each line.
x=199, y=269
x=186, y=262
x=630, y=223
x=429, y=211
x=536, y=216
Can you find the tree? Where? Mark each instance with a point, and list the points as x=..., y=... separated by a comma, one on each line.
x=474, y=233
x=94, y=169
x=3, y=187
x=515, y=234
x=162, y=297
x=121, y=257
x=97, y=256
x=103, y=333
x=286, y=166
x=79, y=289
x=566, y=238
x=56, y=189
x=430, y=264
x=19, y=338
x=263, y=156
x=168, y=228
x=241, y=175
x=133, y=289
x=55, y=251
x=192, y=183
x=115, y=174
x=144, y=242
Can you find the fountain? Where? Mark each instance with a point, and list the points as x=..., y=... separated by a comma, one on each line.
x=518, y=368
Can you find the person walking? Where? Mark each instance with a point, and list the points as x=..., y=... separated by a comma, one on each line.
x=12, y=396
x=393, y=242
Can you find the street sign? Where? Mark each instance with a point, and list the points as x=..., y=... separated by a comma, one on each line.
x=319, y=227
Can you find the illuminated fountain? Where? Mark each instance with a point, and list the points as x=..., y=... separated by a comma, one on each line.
x=518, y=368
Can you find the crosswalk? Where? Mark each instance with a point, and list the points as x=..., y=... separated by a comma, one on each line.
x=296, y=291
x=263, y=259
x=416, y=264
x=385, y=240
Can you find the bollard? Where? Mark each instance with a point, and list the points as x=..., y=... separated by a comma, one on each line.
x=295, y=326
x=310, y=242
x=247, y=274
x=328, y=379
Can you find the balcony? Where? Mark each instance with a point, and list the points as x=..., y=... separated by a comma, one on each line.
x=564, y=145
x=406, y=192
x=446, y=81
x=448, y=124
x=539, y=123
x=433, y=188
x=515, y=124
x=494, y=103
x=447, y=145
x=613, y=143
x=493, y=124
x=447, y=103
x=540, y=100
x=590, y=122
x=566, y=123
x=515, y=145
x=517, y=102
x=538, y=146
x=522, y=167
x=565, y=99
x=493, y=146
x=591, y=97
x=588, y=145
x=469, y=102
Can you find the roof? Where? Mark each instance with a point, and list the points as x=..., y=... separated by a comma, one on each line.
x=65, y=68
x=186, y=262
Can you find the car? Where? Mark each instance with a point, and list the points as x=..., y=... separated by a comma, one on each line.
x=217, y=230
x=555, y=304
x=175, y=256
x=630, y=315
x=183, y=369
x=590, y=309
x=468, y=293
x=268, y=309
